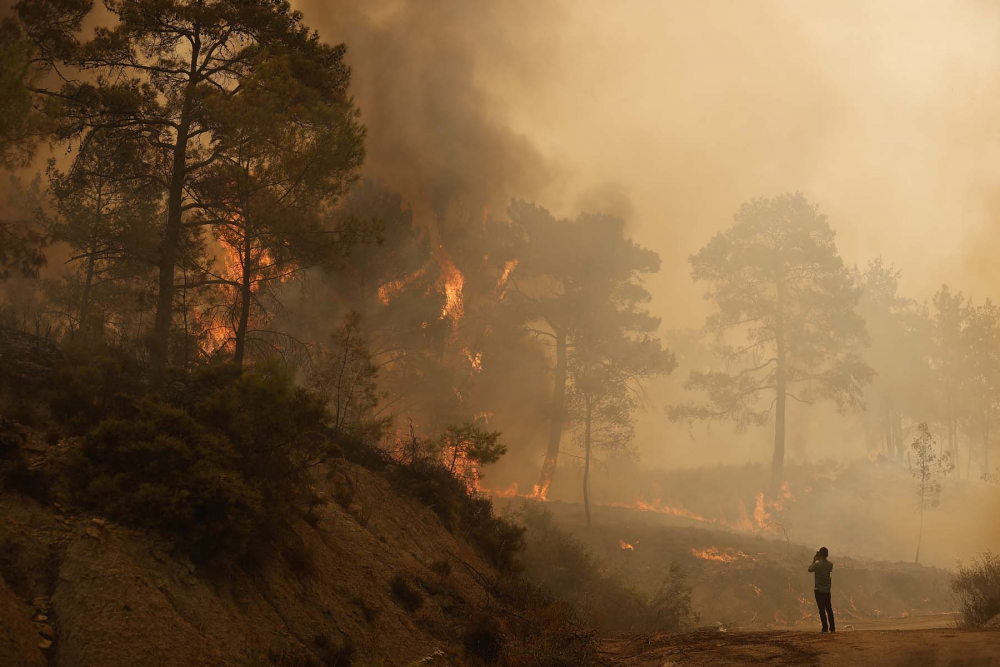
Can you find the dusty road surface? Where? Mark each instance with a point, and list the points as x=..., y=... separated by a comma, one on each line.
x=859, y=648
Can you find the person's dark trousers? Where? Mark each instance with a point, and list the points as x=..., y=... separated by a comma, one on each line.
x=825, y=604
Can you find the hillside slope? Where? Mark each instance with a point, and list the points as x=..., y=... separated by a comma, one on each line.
x=76, y=590
x=749, y=581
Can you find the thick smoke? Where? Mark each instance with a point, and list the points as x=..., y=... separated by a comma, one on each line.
x=436, y=83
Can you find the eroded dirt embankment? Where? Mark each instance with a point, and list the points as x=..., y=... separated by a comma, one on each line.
x=79, y=591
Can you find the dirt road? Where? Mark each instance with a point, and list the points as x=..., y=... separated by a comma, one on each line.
x=858, y=648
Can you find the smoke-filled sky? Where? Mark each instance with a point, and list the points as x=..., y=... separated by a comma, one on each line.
x=672, y=114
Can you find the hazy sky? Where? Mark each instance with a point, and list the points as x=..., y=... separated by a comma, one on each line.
x=883, y=113
x=674, y=113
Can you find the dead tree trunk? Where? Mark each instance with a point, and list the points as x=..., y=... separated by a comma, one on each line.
x=586, y=460
x=557, y=417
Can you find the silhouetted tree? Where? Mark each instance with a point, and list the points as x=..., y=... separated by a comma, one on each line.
x=928, y=468
x=900, y=332
x=982, y=342
x=607, y=368
x=776, y=278
x=568, y=270
x=346, y=377
x=104, y=218
x=950, y=360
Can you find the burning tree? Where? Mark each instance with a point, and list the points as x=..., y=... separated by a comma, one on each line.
x=168, y=72
x=775, y=276
x=465, y=449
x=289, y=145
x=928, y=469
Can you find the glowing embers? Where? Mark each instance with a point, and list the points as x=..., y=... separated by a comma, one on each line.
x=625, y=546
x=475, y=360
x=722, y=555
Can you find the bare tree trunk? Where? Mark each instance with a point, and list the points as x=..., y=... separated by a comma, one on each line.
x=888, y=431
x=85, y=297
x=586, y=461
x=245, y=295
x=920, y=535
x=170, y=242
x=91, y=266
x=778, y=462
x=986, y=443
x=557, y=417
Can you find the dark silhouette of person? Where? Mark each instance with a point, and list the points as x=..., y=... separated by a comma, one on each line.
x=822, y=568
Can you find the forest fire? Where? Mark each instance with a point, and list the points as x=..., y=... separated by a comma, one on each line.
x=625, y=546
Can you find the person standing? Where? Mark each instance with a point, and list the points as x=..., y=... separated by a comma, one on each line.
x=822, y=568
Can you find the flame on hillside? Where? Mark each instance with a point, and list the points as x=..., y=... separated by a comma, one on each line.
x=660, y=508
x=625, y=546
x=724, y=555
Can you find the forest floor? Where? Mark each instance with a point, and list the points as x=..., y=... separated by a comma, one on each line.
x=911, y=643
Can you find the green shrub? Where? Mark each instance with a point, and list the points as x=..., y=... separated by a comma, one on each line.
x=408, y=595
x=11, y=439
x=18, y=476
x=977, y=588
x=88, y=386
x=219, y=461
x=163, y=470
x=499, y=541
x=484, y=637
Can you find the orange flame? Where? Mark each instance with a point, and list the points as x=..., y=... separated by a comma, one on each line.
x=501, y=287
x=509, y=492
x=625, y=546
x=389, y=290
x=725, y=555
x=659, y=507
x=454, y=281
